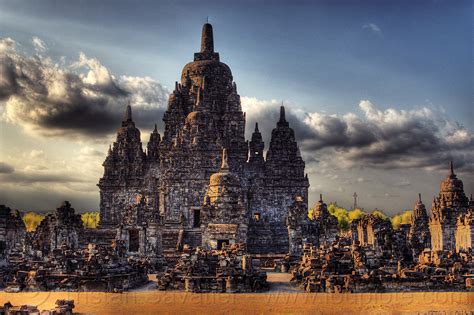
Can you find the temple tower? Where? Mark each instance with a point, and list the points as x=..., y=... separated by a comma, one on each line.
x=450, y=204
x=124, y=170
x=419, y=236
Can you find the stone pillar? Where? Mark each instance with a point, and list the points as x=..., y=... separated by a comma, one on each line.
x=230, y=285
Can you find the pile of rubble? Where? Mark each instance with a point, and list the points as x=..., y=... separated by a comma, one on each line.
x=63, y=307
x=97, y=268
x=348, y=267
x=227, y=270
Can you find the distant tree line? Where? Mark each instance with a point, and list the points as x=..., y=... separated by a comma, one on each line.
x=345, y=217
x=33, y=219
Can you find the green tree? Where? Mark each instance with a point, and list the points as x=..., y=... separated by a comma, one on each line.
x=90, y=219
x=401, y=218
x=32, y=220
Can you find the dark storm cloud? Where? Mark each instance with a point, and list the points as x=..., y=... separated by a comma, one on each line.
x=419, y=138
x=27, y=178
x=80, y=99
x=6, y=168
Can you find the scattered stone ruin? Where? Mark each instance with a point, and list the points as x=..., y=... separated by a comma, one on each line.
x=345, y=266
x=319, y=229
x=228, y=270
x=96, y=268
x=63, y=226
x=63, y=307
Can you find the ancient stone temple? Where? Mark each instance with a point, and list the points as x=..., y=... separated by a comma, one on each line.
x=465, y=231
x=63, y=227
x=372, y=230
x=12, y=231
x=224, y=215
x=124, y=170
x=419, y=236
x=319, y=229
x=180, y=174
x=450, y=205
x=273, y=187
x=139, y=230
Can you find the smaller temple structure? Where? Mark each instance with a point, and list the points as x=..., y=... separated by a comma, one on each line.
x=319, y=229
x=419, y=236
x=465, y=231
x=139, y=230
x=228, y=270
x=63, y=227
x=450, y=205
x=223, y=212
x=12, y=232
x=372, y=230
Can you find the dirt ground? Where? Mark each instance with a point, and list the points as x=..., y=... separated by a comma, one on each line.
x=281, y=299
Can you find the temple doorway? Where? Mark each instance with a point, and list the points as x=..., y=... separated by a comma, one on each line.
x=133, y=240
x=197, y=218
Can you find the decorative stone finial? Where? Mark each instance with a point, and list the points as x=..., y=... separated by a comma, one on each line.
x=224, y=165
x=256, y=127
x=451, y=168
x=128, y=113
x=282, y=113
x=207, y=39
x=321, y=197
x=419, y=198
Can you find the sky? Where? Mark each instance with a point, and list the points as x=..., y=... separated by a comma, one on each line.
x=379, y=93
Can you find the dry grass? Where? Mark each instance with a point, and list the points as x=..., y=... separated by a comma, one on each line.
x=156, y=302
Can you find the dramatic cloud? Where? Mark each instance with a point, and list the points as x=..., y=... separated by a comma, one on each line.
x=418, y=138
x=75, y=100
x=39, y=45
x=6, y=168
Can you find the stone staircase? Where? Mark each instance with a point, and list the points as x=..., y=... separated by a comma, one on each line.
x=169, y=239
x=193, y=237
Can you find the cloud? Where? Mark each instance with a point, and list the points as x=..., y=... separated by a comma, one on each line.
x=39, y=45
x=82, y=99
x=389, y=139
x=6, y=168
x=36, y=154
x=373, y=28
x=30, y=177
x=90, y=152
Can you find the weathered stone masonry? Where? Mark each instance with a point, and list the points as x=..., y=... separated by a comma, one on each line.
x=204, y=116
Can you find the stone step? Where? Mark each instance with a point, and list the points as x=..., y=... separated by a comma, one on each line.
x=193, y=238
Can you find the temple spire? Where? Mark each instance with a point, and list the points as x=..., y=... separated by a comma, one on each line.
x=207, y=39
x=282, y=113
x=451, y=168
x=321, y=197
x=256, y=127
x=156, y=129
x=128, y=113
x=419, y=198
